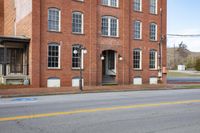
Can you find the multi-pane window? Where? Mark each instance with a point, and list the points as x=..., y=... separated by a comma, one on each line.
x=153, y=6
x=53, y=55
x=76, y=55
x=77, y=22
x=1, y=56
x=113, y=3
x=137, y=30
x=137, y=5
x=153, y=32
x=113, y=27
x=53, y=19
x=137, y=59
x=152, y=59
x=109, y=26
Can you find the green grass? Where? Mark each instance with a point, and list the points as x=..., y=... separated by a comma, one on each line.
x=180, y=74
x=190, y=87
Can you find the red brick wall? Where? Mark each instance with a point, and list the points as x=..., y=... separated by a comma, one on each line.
x=24, y=27
x=9, y=17
x=35, y=24
x=1, y=17
x=35, y=48
x=145, y=44
x=24, y=17
x=92, y=40
x=67, y=39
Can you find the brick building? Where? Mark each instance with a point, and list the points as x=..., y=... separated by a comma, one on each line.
x=40, y=41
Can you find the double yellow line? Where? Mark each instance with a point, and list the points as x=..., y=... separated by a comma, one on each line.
x=14, y=118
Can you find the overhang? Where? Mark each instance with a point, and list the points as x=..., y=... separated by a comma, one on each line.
x=17, y=39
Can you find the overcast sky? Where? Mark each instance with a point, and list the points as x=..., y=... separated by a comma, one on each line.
x=184, y=18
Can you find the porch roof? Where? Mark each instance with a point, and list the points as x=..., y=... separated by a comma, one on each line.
x=18, y=39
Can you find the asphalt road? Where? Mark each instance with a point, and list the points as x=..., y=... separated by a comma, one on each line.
x=167, y=111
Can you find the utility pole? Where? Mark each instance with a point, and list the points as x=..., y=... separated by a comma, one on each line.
x=174, y=55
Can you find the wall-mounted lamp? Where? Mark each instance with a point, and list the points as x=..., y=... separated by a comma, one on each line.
x=102, y=57
x=120, y=57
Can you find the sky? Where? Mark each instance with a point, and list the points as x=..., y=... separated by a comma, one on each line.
x=183, y=17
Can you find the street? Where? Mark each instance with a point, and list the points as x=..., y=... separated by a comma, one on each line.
x=163, y=111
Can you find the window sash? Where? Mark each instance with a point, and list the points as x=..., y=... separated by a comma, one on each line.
x=75, y=57
x=53, y=19
x=77, y=22
x=113, y=3
x=137, y=5
x=153, y=32
x=109, y=26
x=137, y=30
x=137, y=59
x=53, y=56
x=152, y=59
x=76, y=62
x=153, y=6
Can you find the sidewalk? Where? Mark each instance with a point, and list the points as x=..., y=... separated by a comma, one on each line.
x=16, y=92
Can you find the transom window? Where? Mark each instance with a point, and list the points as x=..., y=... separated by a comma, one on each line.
x=53, y=19
x=137, y=5
x=113, y=3
x=53, y=55
x=153, y=59
x=77, y=22
x=153, y=6
x=137, y=59
x=153, y=32
x=137, y=30
x=109, y=26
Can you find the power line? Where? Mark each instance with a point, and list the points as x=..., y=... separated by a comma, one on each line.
x=183, y=35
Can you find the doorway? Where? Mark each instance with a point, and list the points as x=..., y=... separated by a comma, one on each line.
x=109, y=66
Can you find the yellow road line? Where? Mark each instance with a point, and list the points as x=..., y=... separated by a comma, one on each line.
x=14, y=118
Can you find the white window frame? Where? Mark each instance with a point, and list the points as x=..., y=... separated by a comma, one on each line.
x=82, y=22
x=140, y=63
x=59, y=57
x=59, y=23
x=109, y=3
x=156, y=31
x=137, y=21
x=156, y=59
x=156, y=7
x=82, y=58
x=109, y=26
x=140, y=10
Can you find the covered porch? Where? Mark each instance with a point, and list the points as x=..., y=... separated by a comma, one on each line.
x=14, y=59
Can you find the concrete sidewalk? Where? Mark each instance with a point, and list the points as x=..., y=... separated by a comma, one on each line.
x=16, y=92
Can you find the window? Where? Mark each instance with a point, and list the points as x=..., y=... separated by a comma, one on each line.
x=53, y=82
x=137, y=59
x=153, y=32
x=137, y=80
x=137, y=30
x=109, y=26
x=53, y=55
x=137, y=5
x=76, y=57
x=53, y=19
x=77, y=22
x=1, y=56
x=113, y=3
x=153, y=6
x=153, y=59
